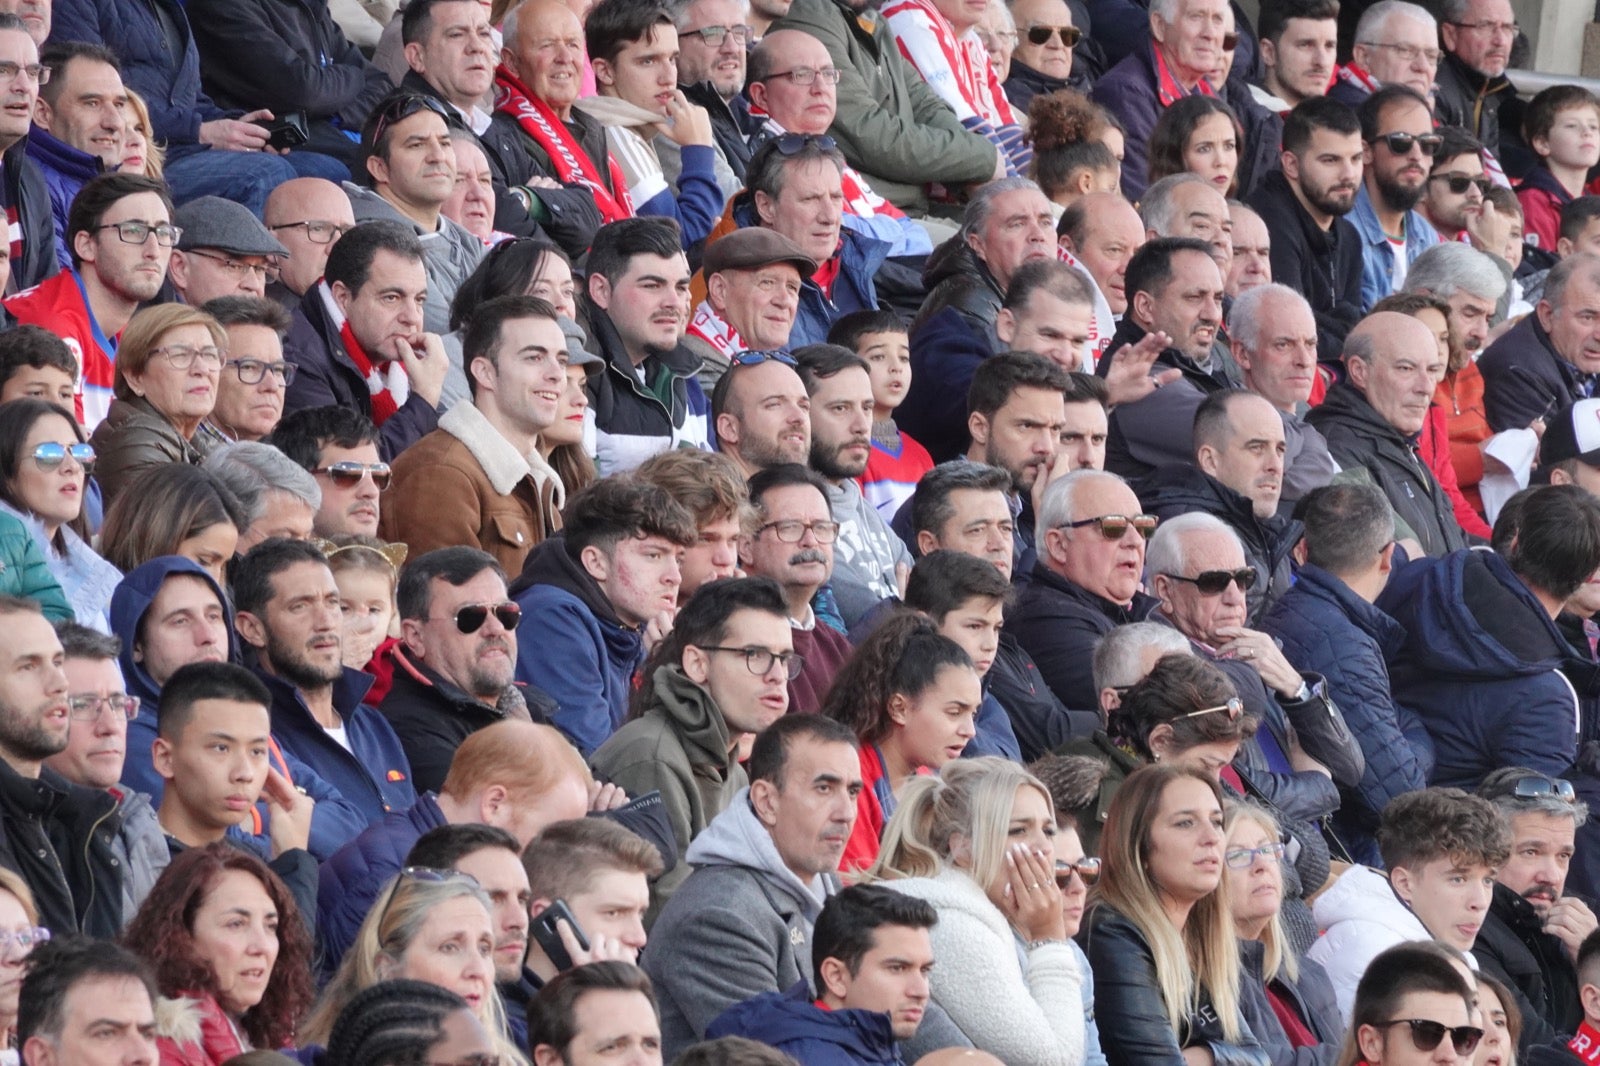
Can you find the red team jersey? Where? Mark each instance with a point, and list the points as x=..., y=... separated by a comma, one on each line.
x=60, y=305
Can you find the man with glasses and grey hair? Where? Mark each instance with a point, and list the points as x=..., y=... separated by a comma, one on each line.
x=1396, y=43
x=713, y=41
x=1478, y=36
x=1533, y=930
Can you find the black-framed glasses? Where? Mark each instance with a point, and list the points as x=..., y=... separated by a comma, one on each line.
x=318, y=231
x=756, y=358
x=759, y=660
x=1532, y=787
x=1086, y=869
x=1460, y=183
x=234, y=268
x=1509, y=29
x=20, y=943
x=87, y=707
x=251, y=371
x=793, y=531
x=713, y=36
x=1234, y=708
x=37, y=73
x=347, y=474
x=136, y=231
x=51, y=454
x=1425, y=1034
x=1215, y=582
x=398, y=109
x=1400, y=143
x=470, y=617
x=1244, y=858
x=184, y=356
x=809, y=76
x=1115, y=526
x=1040, y=35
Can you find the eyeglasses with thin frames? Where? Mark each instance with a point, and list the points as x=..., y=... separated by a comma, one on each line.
x=184, y=356
x=37, y=73
x=1411, y=53
x=234, y=268
x=88, y=707
x=1244, y=858
x=19, y=943
x=794, y=531
x=713, y=36
x=759, y=661
x=809, y=75
x=317, y=230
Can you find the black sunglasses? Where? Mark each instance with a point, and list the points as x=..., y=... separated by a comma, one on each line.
x=470, y=619
x=790, y=143
x=1536, y=787
x=1213, y=582
x=1040, y=35
x=1460, y=183
x=756, y=358
x=1426, y=1035
x=1400, y=143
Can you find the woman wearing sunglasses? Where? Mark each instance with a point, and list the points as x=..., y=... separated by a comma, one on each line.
x=20, y=933
x=978, y=842
x=227, y=942
x=1159, y=935
x=402, y=1021
x=426, y=925
x=168, y=364
x=1287, y=998
x=44, y=475
x=1198, y=135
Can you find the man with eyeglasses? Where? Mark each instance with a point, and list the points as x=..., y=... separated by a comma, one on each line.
x=1478, y=36
x=1396, y=43
x=1533, y=932
x=727, y=683
x=287, y=610
x=339, y=447
x=792, y=543
x=100, y=708
x=713, y=42
x=454, y=667
x=27, y=193
x=1397, y=129
x=306, y=216
x=255, y=376
x=224, y=251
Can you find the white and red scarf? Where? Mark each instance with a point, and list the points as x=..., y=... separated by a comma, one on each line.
x=715, y=331
x=388, y=384
x=1167, y=85
x=572, y=163
x=928, y=41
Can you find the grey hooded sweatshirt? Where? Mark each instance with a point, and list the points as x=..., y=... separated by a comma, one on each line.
x=449, y=254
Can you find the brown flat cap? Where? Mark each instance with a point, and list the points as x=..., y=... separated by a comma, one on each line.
x=753, y=247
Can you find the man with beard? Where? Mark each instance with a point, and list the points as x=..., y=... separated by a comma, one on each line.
x=870, y=562
x=761, y=412
x=1315, y=250
x=1531, y=935
x=1453, y=199
x=455, y=663
x=1397, y=128
x=287, y=608
x=120, y=237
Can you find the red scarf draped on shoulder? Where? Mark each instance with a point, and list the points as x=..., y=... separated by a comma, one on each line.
x=1167, y=86
x=572, y=163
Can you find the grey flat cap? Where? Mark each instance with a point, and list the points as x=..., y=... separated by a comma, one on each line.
x=212, y=222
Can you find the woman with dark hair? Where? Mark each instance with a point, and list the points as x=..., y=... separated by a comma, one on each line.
x=1073, y=142
x=223, y=935
x=911, y=697
x=175, y=509
x=1201, y=135
x=44, y=475
x=403, y=1022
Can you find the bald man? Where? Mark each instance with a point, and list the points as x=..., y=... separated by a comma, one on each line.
x=1102, y=231
x=1372, y=419
x=306, y=215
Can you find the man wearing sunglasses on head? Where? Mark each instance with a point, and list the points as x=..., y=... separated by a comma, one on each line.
x=1397, y=128
x=1414, y=1007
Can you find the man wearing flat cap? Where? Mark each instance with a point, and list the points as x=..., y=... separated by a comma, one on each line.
x=753, y=278
x=224, y=251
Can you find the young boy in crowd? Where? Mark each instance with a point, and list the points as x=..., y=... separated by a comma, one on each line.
x=1584, y=1045
x=897, y=462
x=1562, y=126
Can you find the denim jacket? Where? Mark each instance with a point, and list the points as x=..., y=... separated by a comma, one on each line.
x=1377, y=255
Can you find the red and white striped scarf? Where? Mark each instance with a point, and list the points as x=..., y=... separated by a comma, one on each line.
x=572, y=163
x=965, y=57
x=715, y=331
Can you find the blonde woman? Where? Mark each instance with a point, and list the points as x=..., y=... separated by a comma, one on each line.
x=141, y=154
x=978, y=842
x=1159, y=935
x=19, y=926
x=1288, y=1001
x=426, y=925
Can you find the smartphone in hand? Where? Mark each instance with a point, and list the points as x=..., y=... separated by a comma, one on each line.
x=549, y=938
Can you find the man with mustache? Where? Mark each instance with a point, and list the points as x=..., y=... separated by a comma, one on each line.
x=1531, y=936
x=339, y=447
x=1315, y=249
x=1397, y=129
x=1473, y=87
x=869, y=561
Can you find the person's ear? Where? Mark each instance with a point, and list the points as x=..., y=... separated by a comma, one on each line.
x=411, y=636
x=1299, y=552
x=1370, y=1041
x=717, y=290
x=696, y=665
x=494, y=804
x=1564, y=248
x=1142, y=304
x=251, y=629
x=1403, y=882
x=545, y=1055
x=1385, y=558
x=899, y=708
x=1005, y=325
x=766, y=208
x=836, y=978
x=538, y=906
x=37, y=1051
x=927, y=543
x=1205, y=457
x=595, y=563
x=1110, y=700
x=342, y=296
x=978, y=428
x=603, y=73
x=1545, y=313
x=600, y=290
x=764, y=801
x=1447, y=36
x=178, y=269
x=1160, y=741
x=385, y=965
x=1589, y=995
x=758, y=94
x=484, y=373
x=1161, y=589
x=83, y=244
x=1290, y=164
x=161, y=758
x=1359, y=371
x=728, y=425
x=1269, y=54
x=1158, y=28
x=1559, y=476
x=961, y=850
x=378, y=168
x=413, y=54
x=747, y=556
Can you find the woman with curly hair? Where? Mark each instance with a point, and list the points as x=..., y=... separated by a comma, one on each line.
x=1077, y=146
x=1200, y=135
x=224, y=936
x=911, y=696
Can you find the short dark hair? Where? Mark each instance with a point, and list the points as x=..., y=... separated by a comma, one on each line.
x=303, y=434
x=442, y=847
x=99, y=195
x=732, y=1051
x=57, y=967
x=1087, y=388
x=480, y=335
x=943, y=580
x=611, y=24
x=1053, y=276
x=1276, y=15
x=1150, y=269
x=1576, y=215
x=930, y=503
x=81, y=642
x=1213, y=419
x=1370, y=113
x=819, y=362
x=1558, y=541
x=614, y=509
x=194, y=682
x=55, y=55
x=455, y=566
x=1434, y=823
x=1539, y=114
x=848, y=330
x=1346, y=526
x=1000, y=376
x=769, y=755
x=552, y=1013
x=392, y=1021
x=616, y=244
x=704, y=619
x=1396, y=973
x=350, y=262
x=416, y=19
x=252, y=310
x=508, y=269
x=768, y=171
x=252, y=573
x=1316, y=113
x=779, y=476
x=848, y=925
x=1457, y=142
x=1174, y=688
x=36, y=348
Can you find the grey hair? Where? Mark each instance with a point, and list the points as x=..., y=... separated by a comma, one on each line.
x=1166, y=553
x=1117, y=655
x=1004, y=7
x=1555, y=283
x=1155, y=206
x=508, y=28
x=1244, y=320
x=1450, y=267
x=1166, y=10
x=1499, y=786
x=981, y=205
x=1454, y=10
x=251, y=469
x=679, y=10
x=1377, y=16
x=1055, y=510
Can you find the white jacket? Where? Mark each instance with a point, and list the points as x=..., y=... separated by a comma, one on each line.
x=1025, y=1019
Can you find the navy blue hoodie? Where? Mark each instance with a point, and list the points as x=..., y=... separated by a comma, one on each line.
x=796, y=1026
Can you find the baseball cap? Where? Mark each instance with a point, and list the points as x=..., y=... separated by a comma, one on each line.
x=753, y=247
x=1573, y=433
x=212, y=222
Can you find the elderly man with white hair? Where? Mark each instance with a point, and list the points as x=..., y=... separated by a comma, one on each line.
x=1396, y=43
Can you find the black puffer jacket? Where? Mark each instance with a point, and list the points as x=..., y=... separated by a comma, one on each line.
x=956, y=277
x=25, y=189
x=59, y=838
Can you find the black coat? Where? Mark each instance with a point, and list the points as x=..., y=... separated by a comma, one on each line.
x=1513, y=946
x=1059, y=623
x=956, y=277
x=58, y=837
x=1524, y=378
x=731, y=125
x=1324, y=266
x=25, y=189
x=1040, y=721
x=1158, y=429
x=1312, y=996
